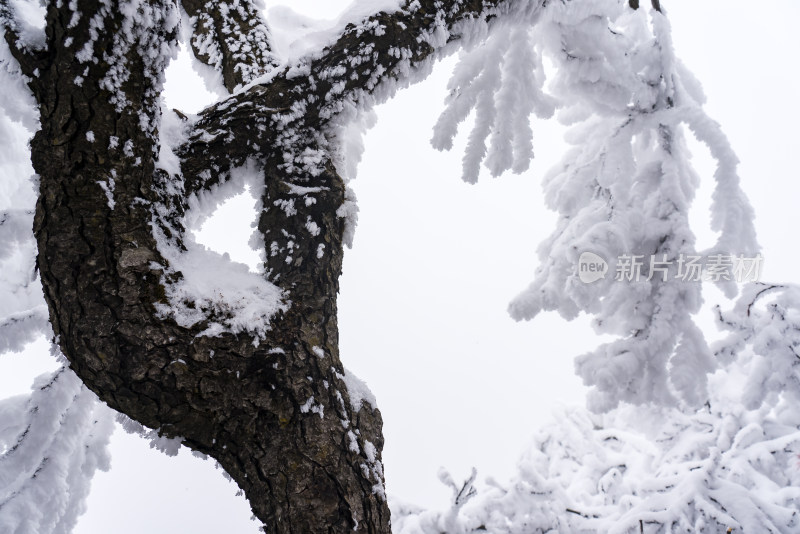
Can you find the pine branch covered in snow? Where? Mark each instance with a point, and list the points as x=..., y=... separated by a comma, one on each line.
x=763, y=343
x=501, y=81
x=23, y=313
x=695, y=439
x=623, y=193
x=636, y=469
x=51, y=444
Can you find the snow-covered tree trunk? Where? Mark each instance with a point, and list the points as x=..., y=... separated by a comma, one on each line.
x=266, y=396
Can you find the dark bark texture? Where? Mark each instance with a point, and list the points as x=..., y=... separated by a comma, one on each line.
x=244, y=403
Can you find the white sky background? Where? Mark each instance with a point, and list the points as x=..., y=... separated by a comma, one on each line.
x=435, y=262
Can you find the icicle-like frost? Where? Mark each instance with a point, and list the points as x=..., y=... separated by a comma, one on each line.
x=168, y=446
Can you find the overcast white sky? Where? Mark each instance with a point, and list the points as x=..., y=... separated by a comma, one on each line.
x=435, y=262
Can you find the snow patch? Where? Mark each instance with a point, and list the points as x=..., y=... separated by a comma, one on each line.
x=358, y=391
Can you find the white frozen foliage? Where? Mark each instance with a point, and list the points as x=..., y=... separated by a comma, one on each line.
x=625, y=189
x=704, y=472
x=689, y=438
x=680, y=436
x=51, y=443
x=731, y=466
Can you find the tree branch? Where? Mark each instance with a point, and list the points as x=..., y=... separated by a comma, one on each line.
x=364, y=65
x=232, y=38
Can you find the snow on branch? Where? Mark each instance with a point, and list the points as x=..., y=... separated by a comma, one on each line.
x=23, y=312
x=693, y=447
x=501, y=81
x=19, y=329
x=22, y=24
x=763, y=344
x=203, y=287
x=623, y=194
x=307, y=103
x=651, y=470
x=51, y=444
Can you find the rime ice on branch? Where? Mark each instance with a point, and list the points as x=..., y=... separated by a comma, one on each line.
x=51, y=444
x=687, y=450
x=625, y=188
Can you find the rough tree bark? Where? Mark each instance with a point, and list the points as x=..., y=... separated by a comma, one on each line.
x=241, y=402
